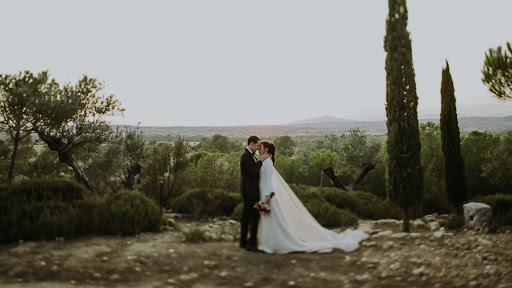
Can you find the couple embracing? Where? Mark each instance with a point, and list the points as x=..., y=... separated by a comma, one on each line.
x=289, y=227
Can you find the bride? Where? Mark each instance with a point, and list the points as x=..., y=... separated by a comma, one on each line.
x=289, y=227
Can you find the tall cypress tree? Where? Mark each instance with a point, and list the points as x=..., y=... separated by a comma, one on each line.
x=454, y=172
x=404, y=172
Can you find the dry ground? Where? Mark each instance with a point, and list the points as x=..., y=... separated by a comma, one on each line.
x=427, y=258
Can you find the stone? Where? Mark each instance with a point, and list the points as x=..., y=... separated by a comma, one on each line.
x=115, y=277
x=248, y=284
x=419, y=223
x=433, y=225
x=363, y=277
x=96, y=275
x=386, y=233
x=477, y=214
x=291, y=283
x=438, y=234
x=399, y=235
x=187, y=277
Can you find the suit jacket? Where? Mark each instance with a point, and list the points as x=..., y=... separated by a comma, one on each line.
x=250, y=174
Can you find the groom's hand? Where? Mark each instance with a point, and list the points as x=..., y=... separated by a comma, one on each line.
x=264, y=157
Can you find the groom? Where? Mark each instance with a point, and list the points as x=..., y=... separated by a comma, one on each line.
x=250, y=189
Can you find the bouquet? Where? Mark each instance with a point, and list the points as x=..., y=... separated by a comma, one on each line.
x=263, y=206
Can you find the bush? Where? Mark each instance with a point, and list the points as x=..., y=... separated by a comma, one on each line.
x=501, y=208
x=43, y=189
x=237, y=213
x=38, y=220
x=91, y=218
x=330, y=216
x=365, y=205
x=39, y=209
x=195, y=235
x=130, y=212
x=454, y=222
x=203, y=203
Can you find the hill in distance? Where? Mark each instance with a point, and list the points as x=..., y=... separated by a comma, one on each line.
x=321, y=126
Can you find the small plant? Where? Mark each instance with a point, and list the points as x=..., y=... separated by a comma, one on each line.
x=454, y=222
x=195, y=235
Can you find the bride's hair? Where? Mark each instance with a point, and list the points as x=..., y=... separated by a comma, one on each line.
x=271, y=150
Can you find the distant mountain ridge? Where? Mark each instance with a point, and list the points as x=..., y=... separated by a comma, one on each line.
x=322, y=119
x=321, y=126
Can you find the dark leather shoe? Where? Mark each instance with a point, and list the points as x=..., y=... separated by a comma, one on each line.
x=252, y=249
x=242, y=246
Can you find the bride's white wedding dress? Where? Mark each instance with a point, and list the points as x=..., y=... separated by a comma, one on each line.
x=289, y=227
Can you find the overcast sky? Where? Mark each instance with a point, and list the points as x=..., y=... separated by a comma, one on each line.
x=235, y=62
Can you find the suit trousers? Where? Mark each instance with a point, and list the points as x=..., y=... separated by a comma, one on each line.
x=249, y=223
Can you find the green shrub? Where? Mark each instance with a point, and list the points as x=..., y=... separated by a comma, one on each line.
x=237, y=213
x=501, y=208
x=330, y=216
x=206, y=203
x=195, y=235
x=365, y=205
x=39, y=209
x=130, y=212
x=454, y=222
x=42, y=189
x=91, y=218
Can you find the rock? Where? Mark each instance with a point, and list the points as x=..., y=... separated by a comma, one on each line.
x=438, y=234
x=171, y=281
x=115, y=277
x=96, y=275
x=399, y=235
x=419, y=223
x=477, y=214
x=171, y=251
x=187, y=277
x=369, y=244
x=248, y=284
x=386, y=233
x=414, y=235
x=433, y=225
x=363, y=277
x=233, y=222
x=42, y=263
x=223, y=274
x=291, y=283
x=418, y=271
x=104, y=259
x=55, y=268
x=171, y=222
x=138, y=269
x=365, y=227
x=482, y=241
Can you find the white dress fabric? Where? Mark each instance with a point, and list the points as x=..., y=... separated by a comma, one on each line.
x=290, y=227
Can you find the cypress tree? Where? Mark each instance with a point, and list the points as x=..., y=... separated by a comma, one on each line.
x=404, y=179
x=454, y=172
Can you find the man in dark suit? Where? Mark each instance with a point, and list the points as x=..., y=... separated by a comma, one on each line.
x=250, y=189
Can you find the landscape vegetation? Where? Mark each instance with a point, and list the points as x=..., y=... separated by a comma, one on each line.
x=66, y=173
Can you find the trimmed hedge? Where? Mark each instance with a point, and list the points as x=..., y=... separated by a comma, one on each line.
x=48, y=208
x=130, y=212
x=203, y=203
x=365, y=205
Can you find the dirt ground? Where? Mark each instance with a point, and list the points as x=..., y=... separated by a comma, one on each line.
x=428, y=257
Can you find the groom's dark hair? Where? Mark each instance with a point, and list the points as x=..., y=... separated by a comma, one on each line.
x=252, y=139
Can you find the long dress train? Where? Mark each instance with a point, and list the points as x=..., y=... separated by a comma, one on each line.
x=290, y=227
